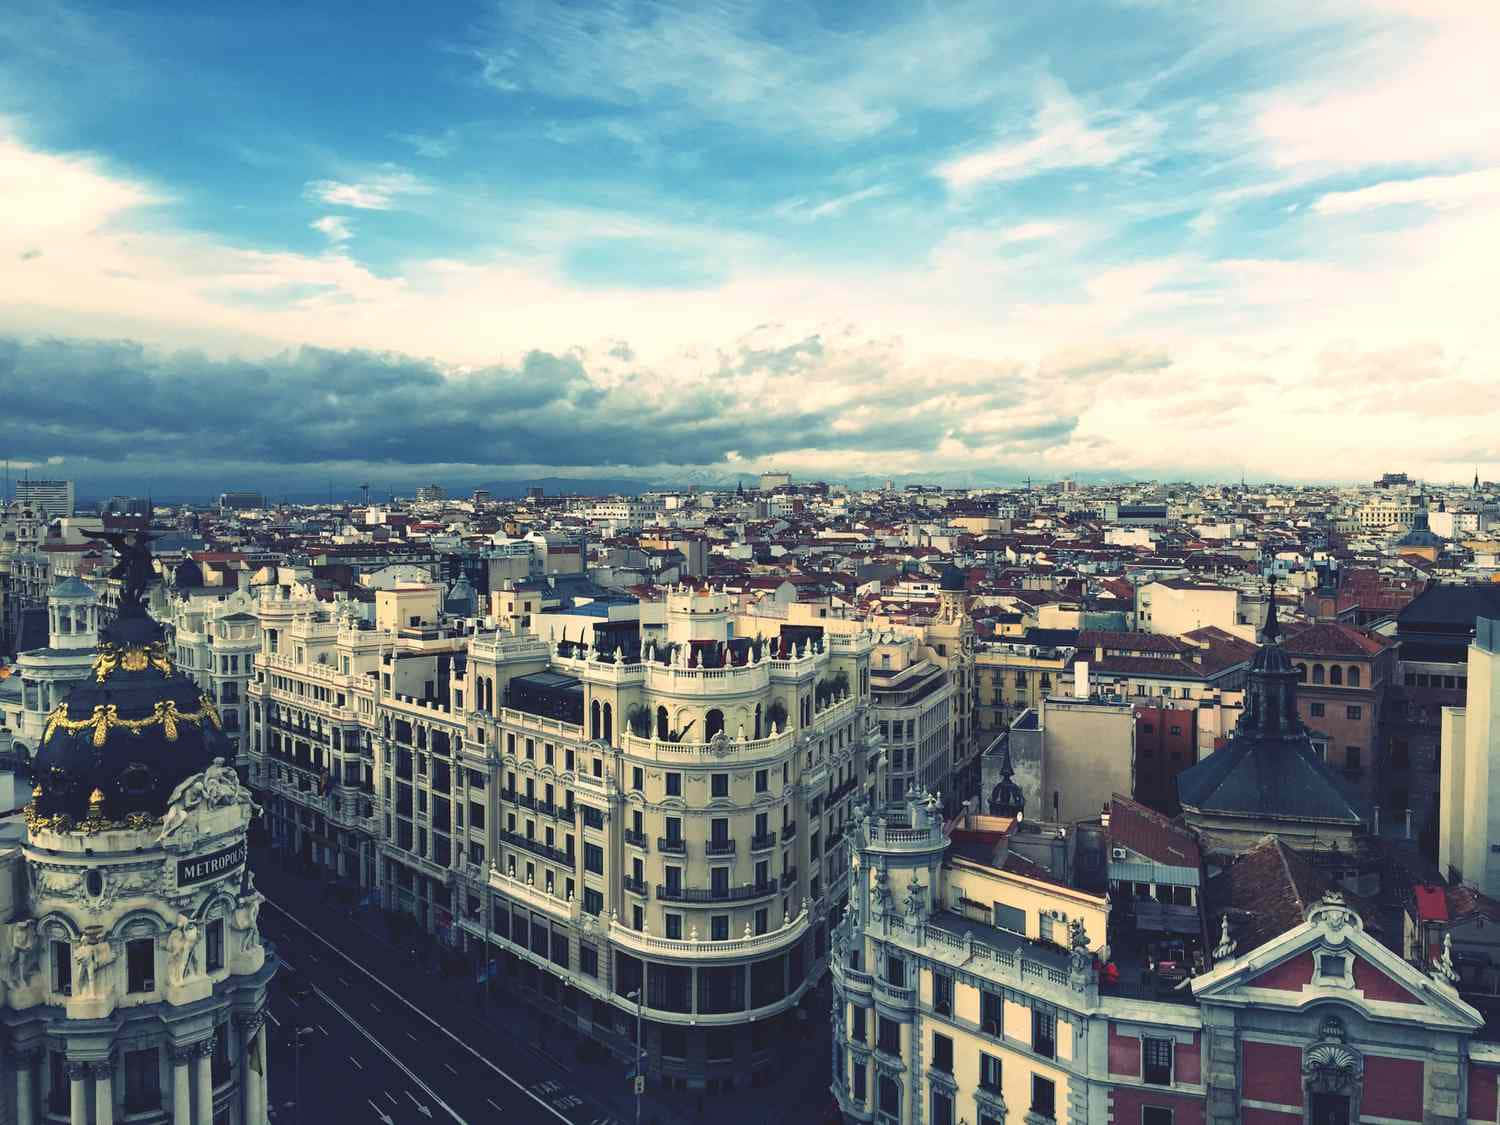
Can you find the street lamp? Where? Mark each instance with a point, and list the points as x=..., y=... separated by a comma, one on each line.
x=640, y=1078
x=297, y=1037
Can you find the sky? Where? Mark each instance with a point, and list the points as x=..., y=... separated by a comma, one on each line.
x=247, y=245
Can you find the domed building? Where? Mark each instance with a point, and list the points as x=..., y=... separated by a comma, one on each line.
x=134, y=979
x=43, y=676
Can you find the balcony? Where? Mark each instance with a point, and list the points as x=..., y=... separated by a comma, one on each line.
x=707, y=950
x=536, y=847
x=763, y=842
x=508, y=795
x=789, y=830
x=789, y=878
x=526, y=801
x=719, y=847
x=669, y=846
x=635, y=886
x=634, y=839
x=742, y=893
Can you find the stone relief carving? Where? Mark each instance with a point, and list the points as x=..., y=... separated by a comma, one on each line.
x=182, y=949
x=216, y=787
x=91, y=957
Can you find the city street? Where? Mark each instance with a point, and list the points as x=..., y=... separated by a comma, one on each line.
x=394, y=1037
x=367, y=1053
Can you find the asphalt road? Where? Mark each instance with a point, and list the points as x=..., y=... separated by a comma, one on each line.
x=368, y=1055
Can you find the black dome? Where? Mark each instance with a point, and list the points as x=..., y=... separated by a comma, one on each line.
x=132, y=730
x=953, y=579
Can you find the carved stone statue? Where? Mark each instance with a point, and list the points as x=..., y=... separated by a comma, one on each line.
x=247, y=914
x=221, y=785
x=189, y=796
x=92, y=956
x=182, y=949
x=1444, y=970
x=916, y=899
x=25, y=952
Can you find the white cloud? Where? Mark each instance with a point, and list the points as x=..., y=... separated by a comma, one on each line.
x=375, y=193
x=1431, y=191
x=335, y=227
x=1062, y=136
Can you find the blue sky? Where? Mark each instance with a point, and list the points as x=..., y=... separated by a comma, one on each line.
x=948, y=238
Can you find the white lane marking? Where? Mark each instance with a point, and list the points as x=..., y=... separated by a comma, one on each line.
x=272, y=1017
x=418, y=1011
x=355, y=1061
x=399, y=1065
x=449, y=1068
x=385, y=1118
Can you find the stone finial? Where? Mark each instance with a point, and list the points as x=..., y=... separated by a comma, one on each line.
x=1444, y=970
x=1225, y=947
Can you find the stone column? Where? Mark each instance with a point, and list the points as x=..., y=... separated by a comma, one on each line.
x=25, y=1064
x=253, y=1066
x=78, y=1091
x=104, y=1092
x=182, y=1095
x=205, y=1051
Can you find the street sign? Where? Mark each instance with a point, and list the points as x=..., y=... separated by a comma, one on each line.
x=640, y=1083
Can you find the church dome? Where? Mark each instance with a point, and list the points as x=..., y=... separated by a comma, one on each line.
x=133, y=729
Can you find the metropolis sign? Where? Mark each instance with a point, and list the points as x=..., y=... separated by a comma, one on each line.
x=211, y=866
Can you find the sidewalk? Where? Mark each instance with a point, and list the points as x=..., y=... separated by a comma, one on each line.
x=508, y=1028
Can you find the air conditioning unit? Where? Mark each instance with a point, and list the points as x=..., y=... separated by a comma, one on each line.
x=1117, y=854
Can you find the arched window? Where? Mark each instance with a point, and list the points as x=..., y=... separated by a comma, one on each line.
x=757, y=721
x=1302, y=673
x=1336, y=674
x=662, y=730
x=713, y=723
x=609, y=724
x=1317, y=673
x=594, y=719
x=1353, y=675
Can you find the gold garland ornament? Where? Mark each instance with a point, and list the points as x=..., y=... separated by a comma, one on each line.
x=111, y=656
x=106, y=716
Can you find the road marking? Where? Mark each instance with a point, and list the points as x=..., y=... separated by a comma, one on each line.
x=375, y=1005
x=399, y=1065
x=412, y=1037
x=418, y=1011
x=392, y=1097
x=272, y=1017
x=385, y=1118
x=355, y=1061
x=492, y=1102
x=449, y=1068
x=343, y=982
x=324, y=1030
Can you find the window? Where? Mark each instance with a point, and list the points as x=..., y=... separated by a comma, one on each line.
x=1155, y=1115
x=942, y=1108
x=213, y=946
x=942, y=1053
x=719, y=785
x=1317, y=673
x=674, y=784
x=62, y=968
x=1156, y=1055
x=1044, y=1033
x=140, y=965
x=1351, y=758
x=1315, y=710
x=1353, y=676
x=888, y=1037
x=1331, y=966
x=1336, y=675
x=895, y=971
x=991, y=1012
x=142, y=1080
x=588, y=960
x=674, y=927
x=942, y=994
x=637, y=778
x=1353, y=712
x=1043, y=1096
x=890, y=1096
x=762, y=780
x=1010, y=918
x=857, y=1075
x=593, y=858
x=858, y=1019
x=989, y=1073
x=718, y=926
x=593, y=901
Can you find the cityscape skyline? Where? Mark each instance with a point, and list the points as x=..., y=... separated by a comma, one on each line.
x=646, y=241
